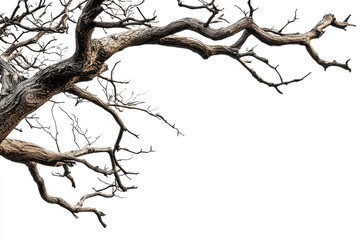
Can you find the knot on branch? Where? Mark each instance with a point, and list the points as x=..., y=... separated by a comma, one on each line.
x=9, y=78
x=93, y=69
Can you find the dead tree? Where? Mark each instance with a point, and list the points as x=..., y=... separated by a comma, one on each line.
x=30, y=76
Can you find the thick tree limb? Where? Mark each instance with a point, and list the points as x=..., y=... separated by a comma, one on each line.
x=9, y=78
x=104, y=48
x=85, y=27
x=24, y=152
x=117, y=42
x=20, y=96
x=32, y=93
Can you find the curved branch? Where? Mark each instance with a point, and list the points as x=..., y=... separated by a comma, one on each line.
x=326, y=64
x=204, y=50
x=31, y=18
x=86, y=25
x=18, y=45
x=74, y=209
x=91, y=150
x=114, y=43
x=95, y=100
x=20, y=97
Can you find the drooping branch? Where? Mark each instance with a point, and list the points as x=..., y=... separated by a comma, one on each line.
x=20, y=96
x=326, y=64
x=114, y=43
x=95, y=100
x=76, y=129
x=23, y=30
x=116, y=168
x=31, y=155
x=74, y=209
x=123, y=15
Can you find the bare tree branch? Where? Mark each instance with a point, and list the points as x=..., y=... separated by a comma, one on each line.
x=74, y=209
x=33, y=69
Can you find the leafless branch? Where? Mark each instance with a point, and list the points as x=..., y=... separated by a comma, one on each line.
x=29, y=38
x=66, y=174
x=141, y=151
x=74, y=209
x=77, y=130
x=324, y=63
x=210, y=6
x=247, y=13
x=289, y=22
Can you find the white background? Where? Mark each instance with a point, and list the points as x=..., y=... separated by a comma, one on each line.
x=253, y=164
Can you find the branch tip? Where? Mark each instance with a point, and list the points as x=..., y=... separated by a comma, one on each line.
x=347, y=19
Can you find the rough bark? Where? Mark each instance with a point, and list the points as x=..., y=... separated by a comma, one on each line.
x=58, y=77
x=21, y=96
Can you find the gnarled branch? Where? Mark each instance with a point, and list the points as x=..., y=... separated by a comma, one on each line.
x=20, y=96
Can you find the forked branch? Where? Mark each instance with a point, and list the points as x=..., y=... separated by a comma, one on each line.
x=21, y=96
x=74, y=209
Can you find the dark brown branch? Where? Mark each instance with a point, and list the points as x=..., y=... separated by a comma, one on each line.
x=116, y=167
x=149, y=112
x=125, y=23
x=270, y=84
x=207, y=51
x=141, y=151
x=95, y=194
x=326, y=64
x=240, y=42
x=66, y=174
x=32, y=19
x=115, y=43
x=20, y=97
x=74, y=209
x=95, y=100
x=18, y=45
x=91, y=150
x=30, y=154
x=289, y=22
x=204, y=50
x=251, y=10
x=77, y=130
x=211, y=7
x=86, y=25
